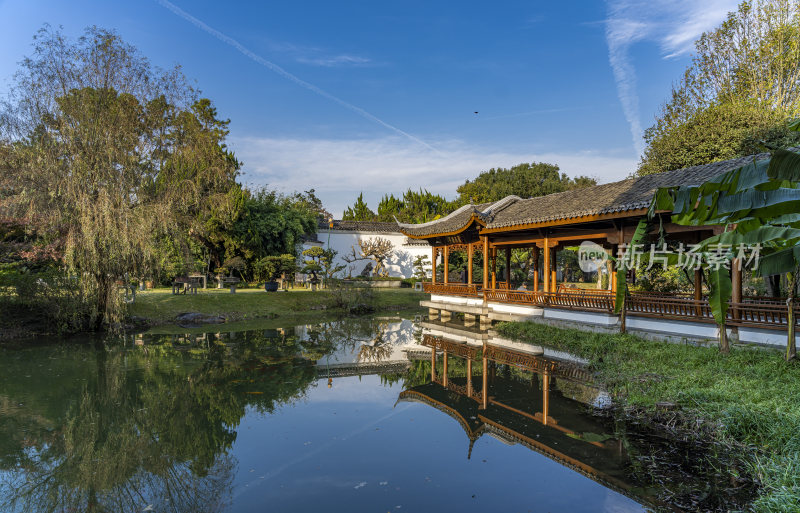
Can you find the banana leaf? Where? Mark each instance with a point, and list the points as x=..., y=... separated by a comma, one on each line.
x=720, y=294
x=782, y=261
x=778, y=235
x=784, y=165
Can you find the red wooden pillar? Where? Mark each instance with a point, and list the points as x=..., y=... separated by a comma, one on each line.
x=469, y=263
x=508, y=266
x=736, y=286
x=446, y=266
x=433, y=264
x=485, y=262
x=546, y=266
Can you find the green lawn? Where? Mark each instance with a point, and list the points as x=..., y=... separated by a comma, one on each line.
x=748, y=399
x=161, y=306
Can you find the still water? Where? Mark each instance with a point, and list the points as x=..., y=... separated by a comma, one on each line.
x=345, y=415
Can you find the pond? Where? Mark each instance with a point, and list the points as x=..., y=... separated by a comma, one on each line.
x=347, y=415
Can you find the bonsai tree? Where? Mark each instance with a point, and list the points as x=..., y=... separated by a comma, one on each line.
x=420, y=264
x=378, y=250
x=320, y=264
x=267, y=268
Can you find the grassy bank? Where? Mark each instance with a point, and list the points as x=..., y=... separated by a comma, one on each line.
x=749, y=399
x=161, y=306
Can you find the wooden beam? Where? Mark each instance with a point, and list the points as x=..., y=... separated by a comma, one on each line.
x=546, y=265
x=485, y=387
x=433, y=364
x=469, y=377
x=508, y=266
x=485, y=262
x=444, y=370
x=494, y=266
x=433, y=265
x=736, y=285
x=446, y=266
x=470, y=252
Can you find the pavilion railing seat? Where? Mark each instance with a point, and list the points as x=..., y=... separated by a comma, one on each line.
x=752, y=311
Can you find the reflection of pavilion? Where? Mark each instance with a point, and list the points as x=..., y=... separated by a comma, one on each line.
x=543, y=407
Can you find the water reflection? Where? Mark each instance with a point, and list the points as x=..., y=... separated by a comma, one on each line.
x=157, y=422
x=519, y=395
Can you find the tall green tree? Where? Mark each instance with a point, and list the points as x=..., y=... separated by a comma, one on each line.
x=359, y=211
x=523, y=180
x=742, y=87
x=102, y=153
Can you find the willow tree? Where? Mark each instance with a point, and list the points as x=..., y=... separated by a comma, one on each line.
x=102, y=151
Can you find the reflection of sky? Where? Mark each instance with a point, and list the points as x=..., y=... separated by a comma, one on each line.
x=349, y=448
x=398, y=335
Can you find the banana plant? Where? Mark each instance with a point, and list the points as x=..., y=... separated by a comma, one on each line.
x=758, y=203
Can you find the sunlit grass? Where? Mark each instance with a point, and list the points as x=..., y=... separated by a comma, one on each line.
x=161, y=305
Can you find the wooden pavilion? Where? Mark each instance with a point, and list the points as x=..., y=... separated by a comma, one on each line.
x=606, y=214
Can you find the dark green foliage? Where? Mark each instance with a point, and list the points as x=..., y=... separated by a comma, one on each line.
x=740, y=90
x=523, y=180
x=359, y=211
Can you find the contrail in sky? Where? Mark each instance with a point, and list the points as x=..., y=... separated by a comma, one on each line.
x=285, y=74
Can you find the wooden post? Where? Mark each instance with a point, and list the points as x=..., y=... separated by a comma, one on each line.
x=433, y=364
x=444, y=371
x=698, y=290
x=508, y=266
x=433, y=264
x=546, y=266
x=469, y=263
x=553, y=272
x=485, y=262
x=446, y=266
x=613, y=270
x=536, y=268
x=485, y=388
x=469, y=377
x=545, y=396
x=494, y=268
x=736, y=286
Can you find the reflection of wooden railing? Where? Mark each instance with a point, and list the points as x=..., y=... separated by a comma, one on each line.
x=451, y=289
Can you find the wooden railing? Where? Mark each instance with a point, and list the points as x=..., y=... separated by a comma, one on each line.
x=753, y=311
x=668, y=307
x=452, y=289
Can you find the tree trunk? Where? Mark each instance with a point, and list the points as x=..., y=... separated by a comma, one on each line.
x=724, y=347
x=791, y=347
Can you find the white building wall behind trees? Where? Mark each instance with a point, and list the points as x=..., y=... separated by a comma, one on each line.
x=400, y=264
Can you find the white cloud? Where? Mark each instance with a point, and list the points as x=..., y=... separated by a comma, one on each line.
x=330, y=61
x=673, y=25
x=339, y=169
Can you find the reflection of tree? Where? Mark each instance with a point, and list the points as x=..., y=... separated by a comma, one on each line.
x=150, y=425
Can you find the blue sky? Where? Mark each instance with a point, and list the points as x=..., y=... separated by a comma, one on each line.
x=380, y=96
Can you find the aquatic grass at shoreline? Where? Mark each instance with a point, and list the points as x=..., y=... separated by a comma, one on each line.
x=748, y=399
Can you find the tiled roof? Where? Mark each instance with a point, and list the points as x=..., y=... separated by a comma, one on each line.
x=360, y=226
x=625, y=195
